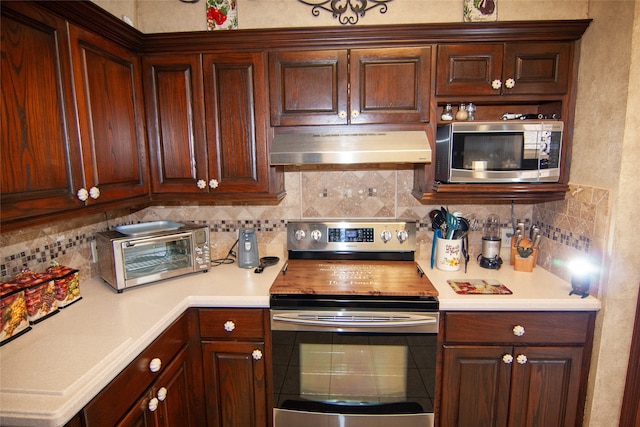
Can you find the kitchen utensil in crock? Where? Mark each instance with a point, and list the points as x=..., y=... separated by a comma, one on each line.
x=265, y=262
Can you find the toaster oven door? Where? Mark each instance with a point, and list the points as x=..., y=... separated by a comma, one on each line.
x=151, y=259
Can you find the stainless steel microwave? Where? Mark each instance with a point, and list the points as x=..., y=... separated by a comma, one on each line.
x=137, y=254
x=522, y=151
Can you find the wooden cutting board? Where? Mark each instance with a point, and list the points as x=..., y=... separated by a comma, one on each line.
x=334, y=277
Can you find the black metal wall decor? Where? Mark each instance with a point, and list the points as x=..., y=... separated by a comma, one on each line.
x=346, y=11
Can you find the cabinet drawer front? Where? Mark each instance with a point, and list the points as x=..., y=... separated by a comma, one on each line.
x=517, y=327
x=232, y=323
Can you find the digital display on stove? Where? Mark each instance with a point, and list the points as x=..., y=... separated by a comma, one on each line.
x=360, y=235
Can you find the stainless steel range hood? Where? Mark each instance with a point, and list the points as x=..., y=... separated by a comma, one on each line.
x=344, y=147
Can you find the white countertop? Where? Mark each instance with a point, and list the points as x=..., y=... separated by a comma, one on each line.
x=51, y=372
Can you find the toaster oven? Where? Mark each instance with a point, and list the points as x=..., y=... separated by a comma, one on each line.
x=138, y=254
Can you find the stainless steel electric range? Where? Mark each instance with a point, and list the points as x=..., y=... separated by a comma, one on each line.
x=354, y=327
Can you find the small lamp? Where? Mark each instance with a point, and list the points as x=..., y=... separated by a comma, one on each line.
x=581, y=272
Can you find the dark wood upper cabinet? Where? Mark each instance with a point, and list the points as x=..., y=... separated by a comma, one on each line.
x=390, y=85
x=174, y=98
x=357, y=86
x=207, y=127
x=308, y=87
x=474, y=69
x=108, y=83
x=235, y=87
x=41, y=158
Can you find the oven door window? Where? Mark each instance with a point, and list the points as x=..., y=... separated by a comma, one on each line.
x=354, y=372
x=154, y=257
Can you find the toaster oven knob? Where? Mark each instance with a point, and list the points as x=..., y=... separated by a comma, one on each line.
x=403, y=235
x=199, y=250
x=229, y=326
x=385, y=236
x=155, y=364
x=316, y=235
x=300, y=235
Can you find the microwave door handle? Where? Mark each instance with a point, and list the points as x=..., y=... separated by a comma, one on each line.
x=151, y=240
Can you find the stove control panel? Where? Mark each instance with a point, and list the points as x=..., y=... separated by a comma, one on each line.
x=352, y=236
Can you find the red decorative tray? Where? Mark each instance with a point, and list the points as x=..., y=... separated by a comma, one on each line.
x=479, y=287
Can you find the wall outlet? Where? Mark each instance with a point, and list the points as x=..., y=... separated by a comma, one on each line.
x=505, y=235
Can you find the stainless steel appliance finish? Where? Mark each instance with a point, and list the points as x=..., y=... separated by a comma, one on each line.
x=527, y=151
x=150, y=252
x=351, y=240
x=350, y=147
x=352, y=360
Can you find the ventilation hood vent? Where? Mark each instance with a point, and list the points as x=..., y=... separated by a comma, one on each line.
x=350, y=148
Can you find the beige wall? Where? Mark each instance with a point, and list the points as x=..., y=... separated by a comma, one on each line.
x=153, y=16
x=607, y=135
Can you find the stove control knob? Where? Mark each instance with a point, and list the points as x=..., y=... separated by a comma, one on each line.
x=386, y=236
x=300, y=235
x=316, y=235
x=403, y=235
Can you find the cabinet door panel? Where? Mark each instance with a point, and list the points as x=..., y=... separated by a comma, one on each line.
x=475, y=390
x=109, y=97
x=175, y=409
x=40, y=159
x=537, y=67
x=308, y=87
x=235, y=91
x=544, y=391
x=468, y=69
x=390, y=85
x=235, y=384
x=175, y=122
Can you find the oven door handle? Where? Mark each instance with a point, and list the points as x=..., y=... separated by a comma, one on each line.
x=360, y=320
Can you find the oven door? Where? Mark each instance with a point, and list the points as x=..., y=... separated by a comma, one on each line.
x=151, y=259
x=353, y=368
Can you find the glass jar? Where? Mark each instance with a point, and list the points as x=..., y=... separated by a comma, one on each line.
x=447, y=113
x=462, y=113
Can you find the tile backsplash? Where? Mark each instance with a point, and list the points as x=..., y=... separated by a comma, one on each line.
x=575, y=226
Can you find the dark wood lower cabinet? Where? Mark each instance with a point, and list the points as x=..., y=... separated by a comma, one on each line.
x=535, y=377
x=507, y=386
x=235, y=383
x=167, y=402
